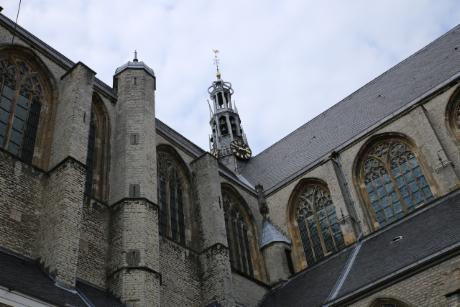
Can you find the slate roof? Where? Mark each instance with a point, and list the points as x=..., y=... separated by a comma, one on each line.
x=431, y=231
x=309, y=288
x=23, y=275
x=271, y=234
x=357, y=113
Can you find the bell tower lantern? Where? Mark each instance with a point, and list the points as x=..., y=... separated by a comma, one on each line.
x=227, y=141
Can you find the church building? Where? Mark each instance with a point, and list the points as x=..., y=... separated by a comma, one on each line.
x=103, y=204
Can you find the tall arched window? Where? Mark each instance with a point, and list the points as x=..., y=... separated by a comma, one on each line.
x=239, y=233
x=97, y=151
x=392, y=180
x=317, y=223
x=173, y=194
x=21, y=100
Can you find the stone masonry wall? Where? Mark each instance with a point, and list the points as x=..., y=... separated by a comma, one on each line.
x=20, y=204
x=94, y=244
x=180, y=275
x=60, y=221
x=247, y=292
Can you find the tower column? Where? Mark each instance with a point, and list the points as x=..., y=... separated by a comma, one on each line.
x=133, y=269
x=216, y=284
x=227, y=119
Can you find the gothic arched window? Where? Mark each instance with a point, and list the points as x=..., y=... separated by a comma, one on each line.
x=317, y=223
x=453, y=114
x=20, y=103
x=238, y=234
x=97, y=151
x=392, y=180
x=172, y=194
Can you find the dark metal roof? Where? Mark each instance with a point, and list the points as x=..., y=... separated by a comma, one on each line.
x=310, y=287
x=24, y=276
x=431, y=232
x=387, y=94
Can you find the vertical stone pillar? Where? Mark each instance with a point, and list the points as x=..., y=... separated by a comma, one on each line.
x=63, y=197
x=133, y=270
x=216, y=287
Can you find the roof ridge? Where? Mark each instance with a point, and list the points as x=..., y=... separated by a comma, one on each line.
x=372, y=81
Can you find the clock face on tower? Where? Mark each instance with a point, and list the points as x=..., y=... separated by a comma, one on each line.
x=240, y=149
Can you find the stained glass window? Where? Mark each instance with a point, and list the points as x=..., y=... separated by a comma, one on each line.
x=171, y=197
x=394, y=181
x=237, y=235
x=20, y=104
x=319, y=230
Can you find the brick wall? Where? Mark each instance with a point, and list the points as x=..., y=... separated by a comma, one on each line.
x=180, y=275
x=20, y=204
x=94, y=243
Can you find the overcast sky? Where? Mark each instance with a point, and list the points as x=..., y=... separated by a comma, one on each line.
x=287, y=60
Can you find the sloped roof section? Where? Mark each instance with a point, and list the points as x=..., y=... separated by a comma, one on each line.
x=24, y=276
x=357, y=113
x=309, y=288
x=389, y=253
x=271, y=234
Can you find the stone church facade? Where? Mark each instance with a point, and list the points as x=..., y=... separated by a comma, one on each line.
x=102, y=204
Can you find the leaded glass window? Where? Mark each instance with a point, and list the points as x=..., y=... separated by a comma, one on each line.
x=171, y=197
x=319, y=229
x=394, y=181
x=238, y=234
x=20, y=105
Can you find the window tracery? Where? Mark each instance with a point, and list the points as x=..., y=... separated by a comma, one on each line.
x=238, y=233
x=393, y=180
x=317, y=223
x=20, y=105
x=172, y=198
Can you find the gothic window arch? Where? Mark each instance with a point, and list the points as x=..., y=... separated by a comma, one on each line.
x=453, y=114
x=387, y=302
x=24, y=97
x=241, y=235
x=173, y=194
x=391, y=179
x=97, y=151
x=317, y=231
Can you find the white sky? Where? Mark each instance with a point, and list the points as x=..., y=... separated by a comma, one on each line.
x=288, y=60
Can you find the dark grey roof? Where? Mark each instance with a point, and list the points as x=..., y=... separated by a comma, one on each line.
x=271, y=234
x=96, y=296
x=431, y=232
x=135, y=65
x=357, y=113
x=310, y=287
x=24, y=276
x=425, y=234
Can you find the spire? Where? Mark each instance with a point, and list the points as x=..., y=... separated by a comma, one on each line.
x=216, y=62
x=135, y=56
x=228, y=140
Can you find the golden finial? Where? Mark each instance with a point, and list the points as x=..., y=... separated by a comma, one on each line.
x=216, y=62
